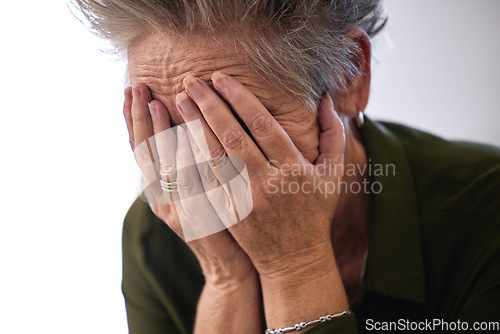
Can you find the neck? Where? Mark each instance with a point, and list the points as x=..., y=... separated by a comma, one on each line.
x=350, y=226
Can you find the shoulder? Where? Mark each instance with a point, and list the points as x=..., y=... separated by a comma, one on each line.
x=455, y=186
x=453, y=176
x=141, y=225
x=162, y=279
x=154, y=243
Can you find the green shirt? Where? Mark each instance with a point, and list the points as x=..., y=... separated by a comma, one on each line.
x=434, y=250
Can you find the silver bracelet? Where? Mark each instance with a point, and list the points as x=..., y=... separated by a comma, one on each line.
x=303, y=325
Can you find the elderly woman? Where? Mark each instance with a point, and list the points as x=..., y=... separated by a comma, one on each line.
x=336, y=225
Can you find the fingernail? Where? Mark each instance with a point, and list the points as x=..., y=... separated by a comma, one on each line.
x=193, y=85
x=332, y=104
x=152, y=110
x=220, y=80
x=181, y=102
x=329, y=98
x=136, y=92
x=128, y=93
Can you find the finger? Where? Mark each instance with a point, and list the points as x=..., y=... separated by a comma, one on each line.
x=188, y=180
x=332, y=135
x=159, y=115
x=215, y=181
x=127, y=112
x=219, y=177
x=142, y=129
x=141, y=118
x=236, y=142
x=206, y=146
x=165, y=140
x=190, y=112
x=162, y=146
x=268, y=133
x=198, y=219
x=216, y=170
x=146, y=162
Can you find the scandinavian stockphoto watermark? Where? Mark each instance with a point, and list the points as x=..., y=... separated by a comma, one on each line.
x=331, y=178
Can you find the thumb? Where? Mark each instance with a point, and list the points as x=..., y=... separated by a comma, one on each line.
x=332, y=134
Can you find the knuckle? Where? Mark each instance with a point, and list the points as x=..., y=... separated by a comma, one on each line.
x=222, y=170
x=209, y=174
x=142, y=160
x=261, y=125
x=184, y=182
x=210, y=177
x=220, y=162
x=218, y=153
x=234, y=139
x=139, y=115
x=209, y=103
x=126, y=111
x=166, y=169
x=237, y=96
x=226, y=171
x=138, y=118
x=183, y=159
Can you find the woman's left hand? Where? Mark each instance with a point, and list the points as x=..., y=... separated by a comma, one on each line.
x=294, y=201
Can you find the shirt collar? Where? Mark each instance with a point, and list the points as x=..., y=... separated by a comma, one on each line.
x=394, y=266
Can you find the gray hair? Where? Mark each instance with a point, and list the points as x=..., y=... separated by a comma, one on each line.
x=301, y=45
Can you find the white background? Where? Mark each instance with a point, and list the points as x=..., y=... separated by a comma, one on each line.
x=68, y=176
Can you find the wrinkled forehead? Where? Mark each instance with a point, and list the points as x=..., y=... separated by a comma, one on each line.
x=162, y=62
x=161, y=56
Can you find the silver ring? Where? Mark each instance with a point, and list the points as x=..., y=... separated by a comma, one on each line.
x=170, y=187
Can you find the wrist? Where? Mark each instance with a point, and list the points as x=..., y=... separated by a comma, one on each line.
x=228, y=305
x=303, y=291
x=228, y=292
x=229, y=282
x=221, y=274
x=314, y=260
x=299, y=274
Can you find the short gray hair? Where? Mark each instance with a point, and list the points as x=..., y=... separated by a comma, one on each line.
x=299, y=44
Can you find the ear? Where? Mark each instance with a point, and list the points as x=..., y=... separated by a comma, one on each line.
x=358, y=91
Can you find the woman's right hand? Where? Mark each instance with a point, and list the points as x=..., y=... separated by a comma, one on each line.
x=221, y=258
